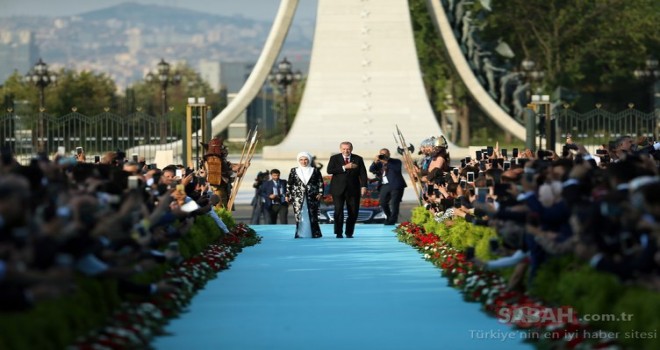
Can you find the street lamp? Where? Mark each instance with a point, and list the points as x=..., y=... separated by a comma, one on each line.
x=532, y=75
x=165, y=78
x=651, y=73
x=283, y=77
x=40, y=77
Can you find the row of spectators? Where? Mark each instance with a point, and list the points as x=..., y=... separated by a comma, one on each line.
x=109, y=219
x=603, y=207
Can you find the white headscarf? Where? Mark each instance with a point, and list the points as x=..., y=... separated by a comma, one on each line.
x=304, y=173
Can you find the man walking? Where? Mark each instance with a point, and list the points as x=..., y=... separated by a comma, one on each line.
x=273, y=192
x=349, y=182
x=390, y=184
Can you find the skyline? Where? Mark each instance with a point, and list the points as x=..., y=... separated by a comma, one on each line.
x=254, y=9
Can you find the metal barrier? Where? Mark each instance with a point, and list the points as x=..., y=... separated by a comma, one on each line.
x=95, y=134
x=110, y=132
x=598, y=127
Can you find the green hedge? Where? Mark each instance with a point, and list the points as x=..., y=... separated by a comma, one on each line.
x=566, y=281
x=54, y=324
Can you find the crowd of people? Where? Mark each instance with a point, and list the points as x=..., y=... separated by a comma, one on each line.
x=114, y=217
x=603, y=207
x=110, y=218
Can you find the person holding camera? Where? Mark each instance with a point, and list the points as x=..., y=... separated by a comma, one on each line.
x=274, y=194
x=390, y=184
x=258, y=212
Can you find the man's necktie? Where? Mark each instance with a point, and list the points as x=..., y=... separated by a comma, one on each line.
x=346, y=161
x=277, y=193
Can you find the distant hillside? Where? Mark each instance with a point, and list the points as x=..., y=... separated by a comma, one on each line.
x=125, y=41
x=158, y=15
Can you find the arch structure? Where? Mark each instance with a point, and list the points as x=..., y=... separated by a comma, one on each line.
x=364, y=80
x=483, y=99
x=253, y=84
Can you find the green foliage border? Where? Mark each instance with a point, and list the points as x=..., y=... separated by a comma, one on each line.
x=566, y=281
x=55, y=324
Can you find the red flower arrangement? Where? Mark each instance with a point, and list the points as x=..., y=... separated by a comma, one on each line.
x=135, y=323
x=559, y=327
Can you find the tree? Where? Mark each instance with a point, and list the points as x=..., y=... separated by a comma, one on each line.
x=591, y=46
x=444, y=88
x=90, y=93
x=148, y=95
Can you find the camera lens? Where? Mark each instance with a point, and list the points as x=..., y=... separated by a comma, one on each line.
x=381, y=156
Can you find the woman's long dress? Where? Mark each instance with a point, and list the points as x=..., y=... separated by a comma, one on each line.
x=304, y=202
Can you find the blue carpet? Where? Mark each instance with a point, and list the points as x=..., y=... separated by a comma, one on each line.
x=370, y=292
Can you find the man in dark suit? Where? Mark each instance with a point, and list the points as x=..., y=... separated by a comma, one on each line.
x=390, y=184
x=273, y=192
x=349, y=182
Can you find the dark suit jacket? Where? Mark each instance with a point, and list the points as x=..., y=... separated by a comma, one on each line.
x=394, y=175
x=346, y=180
x=266, y=189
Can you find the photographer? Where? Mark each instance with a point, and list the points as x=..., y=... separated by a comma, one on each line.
x=258, y=212
x=390, y=184
x=274, y=193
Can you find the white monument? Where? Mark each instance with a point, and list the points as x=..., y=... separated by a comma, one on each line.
x=364, y=79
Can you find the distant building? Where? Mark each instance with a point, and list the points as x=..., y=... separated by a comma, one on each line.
x=18, y=52
x=232, y=76
x=210, y=72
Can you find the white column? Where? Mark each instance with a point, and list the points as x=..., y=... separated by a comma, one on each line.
x=364, y=79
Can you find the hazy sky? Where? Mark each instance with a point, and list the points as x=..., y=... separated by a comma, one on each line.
x=257, y=9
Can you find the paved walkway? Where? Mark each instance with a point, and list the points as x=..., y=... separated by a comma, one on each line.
x=370, y=292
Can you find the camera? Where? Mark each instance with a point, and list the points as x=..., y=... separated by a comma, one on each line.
x=439, y=180
x=458, y=202
x=482, y=165
x=382, y=157
x=541, y=154
x=162, y=189
x=482, y=192
x=133, y=182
